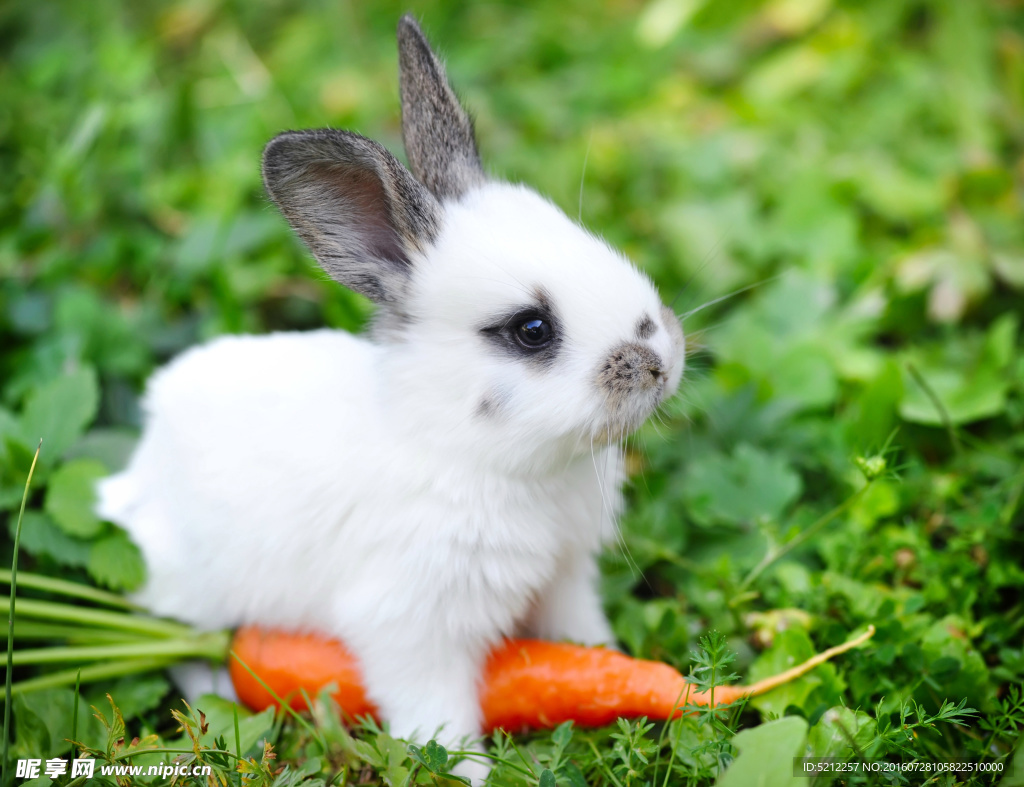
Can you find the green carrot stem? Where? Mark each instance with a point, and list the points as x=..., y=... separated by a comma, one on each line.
x=31, y=630
x=63, y=587
x=212, y=646
x=49, y=610
x=110, y=669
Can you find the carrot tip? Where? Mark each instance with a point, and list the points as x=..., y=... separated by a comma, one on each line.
x=766, y=685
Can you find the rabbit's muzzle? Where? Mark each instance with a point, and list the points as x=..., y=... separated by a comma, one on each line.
x=629, y=369
x=634, y=380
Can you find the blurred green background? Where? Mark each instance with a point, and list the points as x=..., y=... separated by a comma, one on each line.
x=860, y=162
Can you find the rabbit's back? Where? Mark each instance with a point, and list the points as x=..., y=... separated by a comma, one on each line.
x=248, y=439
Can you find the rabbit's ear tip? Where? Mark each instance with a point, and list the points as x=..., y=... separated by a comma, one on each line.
x=408, y=23
x=436, y=129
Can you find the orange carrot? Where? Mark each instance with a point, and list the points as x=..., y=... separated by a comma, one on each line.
x=526, y=683
x=289, y=663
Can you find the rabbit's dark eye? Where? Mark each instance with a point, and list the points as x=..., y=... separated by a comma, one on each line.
x=534, y=334
x=531, y=333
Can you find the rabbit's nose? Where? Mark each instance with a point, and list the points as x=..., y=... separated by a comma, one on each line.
x=631, y=368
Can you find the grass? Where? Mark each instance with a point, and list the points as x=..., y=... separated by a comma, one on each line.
x=847, y=447
x=10, y=616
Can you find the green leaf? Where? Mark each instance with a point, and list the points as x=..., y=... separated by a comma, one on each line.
x=10, y=496
x=116, y=562
x=791, y=647
x=1001, y=339
x=968, y=376
x=396, y=755
x=59, y=411
x=41, y=537
x=32, y=735
x=749, y=485
x=954, y=664
x=547, y=778
x=841, y=732
x=1015, y=767
x=872, y=415
x=806, y=375
x=433, y=756
x=9, y=426
x=42, y=722
x=572, y=773
x=965, y=395
x=310, y=767
x=112, y=447
x=562, y=734
x=766, y=755
x=864, y=598
x=897, y=193
x=71, y=496
x=880, y=500
x=780, y=77
x=220, y=716
x=369, y=752
x=138, y=694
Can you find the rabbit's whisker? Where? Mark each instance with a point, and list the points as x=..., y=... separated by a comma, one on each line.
x=634, y=567
x=725, y=297
x=709, y=256
x=583, y=176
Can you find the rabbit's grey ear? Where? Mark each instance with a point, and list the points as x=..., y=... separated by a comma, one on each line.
x=360, y=212
x=437, y=131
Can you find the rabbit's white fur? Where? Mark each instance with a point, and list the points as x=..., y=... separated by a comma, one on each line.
x=421, y=494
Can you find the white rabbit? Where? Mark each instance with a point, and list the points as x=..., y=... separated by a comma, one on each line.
x=442, y=483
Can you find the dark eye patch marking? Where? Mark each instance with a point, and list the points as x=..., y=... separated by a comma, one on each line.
x=645, y=327
x=501, y=331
